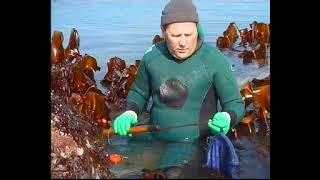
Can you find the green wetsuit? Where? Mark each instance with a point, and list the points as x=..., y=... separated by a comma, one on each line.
x=184, y=92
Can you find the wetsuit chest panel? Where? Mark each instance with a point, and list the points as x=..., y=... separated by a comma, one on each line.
x=173, y=93
x=178, y=90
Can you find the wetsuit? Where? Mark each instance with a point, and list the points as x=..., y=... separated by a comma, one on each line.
x=185, y=92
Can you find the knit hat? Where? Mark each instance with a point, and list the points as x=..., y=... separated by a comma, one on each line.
x=179, y=11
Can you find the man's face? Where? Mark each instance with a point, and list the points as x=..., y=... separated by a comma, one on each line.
x=181, y=39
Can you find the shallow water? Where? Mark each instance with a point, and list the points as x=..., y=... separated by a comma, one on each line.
x=253, y=153
x=125, y=28
x=105, y=31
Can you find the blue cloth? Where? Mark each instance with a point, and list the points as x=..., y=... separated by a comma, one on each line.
x=222, y=156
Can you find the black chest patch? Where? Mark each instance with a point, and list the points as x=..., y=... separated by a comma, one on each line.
x=173, y=93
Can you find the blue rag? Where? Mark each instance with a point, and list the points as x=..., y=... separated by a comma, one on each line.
x=222, y=156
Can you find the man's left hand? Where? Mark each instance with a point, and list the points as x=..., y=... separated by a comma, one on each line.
x=219, y=123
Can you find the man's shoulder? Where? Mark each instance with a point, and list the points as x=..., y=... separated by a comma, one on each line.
x=213, y=56
x=153, y=52
x=149, y=50
x=211, y=50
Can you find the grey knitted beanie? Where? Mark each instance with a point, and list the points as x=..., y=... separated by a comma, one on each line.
x=179, y=11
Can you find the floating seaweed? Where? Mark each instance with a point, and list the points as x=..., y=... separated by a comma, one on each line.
x=57, y=50
x=78, y=111
x=230, y=36
x=260, y=32
x=257, y=38
x=157, y=39
x=118, y=80
x=256, y=95
x=246, y=37
x=89, y=65
x=94, y=107
x=72, y=51
x=75, y=151
x=114, y=64
x=260, y=55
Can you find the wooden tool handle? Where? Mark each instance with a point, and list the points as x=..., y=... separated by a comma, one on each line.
x=134, y=130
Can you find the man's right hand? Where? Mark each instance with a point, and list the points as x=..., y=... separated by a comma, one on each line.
x=124, y=122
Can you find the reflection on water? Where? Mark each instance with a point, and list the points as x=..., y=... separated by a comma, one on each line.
x=125, y=28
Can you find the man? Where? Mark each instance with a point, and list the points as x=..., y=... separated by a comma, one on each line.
x=185, y=78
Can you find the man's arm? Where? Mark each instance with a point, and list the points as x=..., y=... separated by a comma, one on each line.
x=140, y=91
x=228, y=93
x=136, y=101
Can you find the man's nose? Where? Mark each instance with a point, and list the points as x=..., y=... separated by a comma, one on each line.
x=182, y=41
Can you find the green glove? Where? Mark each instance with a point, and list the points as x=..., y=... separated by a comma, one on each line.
x=124, y=122
x=220, y=121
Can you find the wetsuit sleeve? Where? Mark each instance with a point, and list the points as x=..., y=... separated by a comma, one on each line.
x=228, y=92
x=139, y=94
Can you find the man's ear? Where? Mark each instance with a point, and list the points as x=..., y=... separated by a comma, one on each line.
x=163, y=31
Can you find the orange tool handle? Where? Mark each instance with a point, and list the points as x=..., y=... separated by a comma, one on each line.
x=134, y=130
